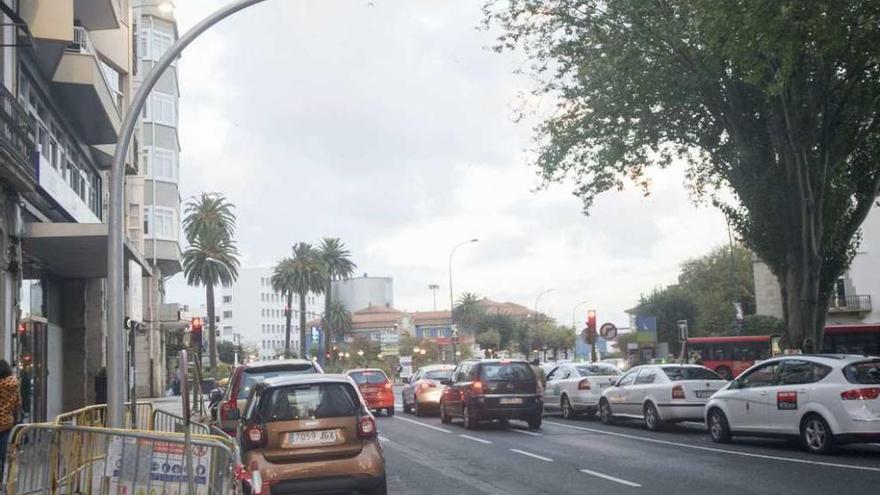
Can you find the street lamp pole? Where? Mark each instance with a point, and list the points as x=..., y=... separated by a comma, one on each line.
x=116, y=376
x=536, y=308
x=433, y=288
x=452, y=301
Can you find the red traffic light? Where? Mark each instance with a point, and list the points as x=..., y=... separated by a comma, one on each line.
x=195, y=327
x=591, y=320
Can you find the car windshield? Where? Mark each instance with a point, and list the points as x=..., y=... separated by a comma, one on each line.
x=506, y=371
x=438, y=375
x=312, y=401
x=597, y=370
x=368, y=377
x=252, y=377
x=678, y=373
x=863, y=373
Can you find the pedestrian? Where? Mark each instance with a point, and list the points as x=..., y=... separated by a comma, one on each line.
x=398, y=370
x=539, y=372
x=10, y=407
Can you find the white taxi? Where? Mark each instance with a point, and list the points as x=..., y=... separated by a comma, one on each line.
x=575, y=388
x=822, y=399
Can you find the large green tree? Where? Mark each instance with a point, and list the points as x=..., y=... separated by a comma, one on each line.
x=468, y=311
x=339, y=318
x=337, y=266
x=772, y=102
x=212, y=256
x=714, y=282
x=301, y=274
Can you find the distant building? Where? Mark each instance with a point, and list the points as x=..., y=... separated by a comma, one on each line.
x=364, y=292
x=506, y=308
x=251, y=309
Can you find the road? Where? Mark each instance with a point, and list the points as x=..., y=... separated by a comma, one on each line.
x=584, y=456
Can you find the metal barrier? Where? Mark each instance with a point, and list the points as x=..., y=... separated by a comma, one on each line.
x=97, y=416
x=168, y=422
x=59, y=459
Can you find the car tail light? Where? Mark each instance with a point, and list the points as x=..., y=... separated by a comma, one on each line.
x=426, y=385
x=861, y=394
x=388, y=385
x=255, y=436
x=584, y=384
x=678, y=392
x=477, y=388
x=366, y=427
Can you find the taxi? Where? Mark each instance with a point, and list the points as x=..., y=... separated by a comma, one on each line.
x=822, y=399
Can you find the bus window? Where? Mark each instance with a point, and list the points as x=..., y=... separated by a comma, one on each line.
x=720, y=352
x=747, y=352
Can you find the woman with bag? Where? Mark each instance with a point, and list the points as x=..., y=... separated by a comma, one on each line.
x=10, y=406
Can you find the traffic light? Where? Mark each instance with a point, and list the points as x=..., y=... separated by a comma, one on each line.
x=591, y=320
x=195, y=328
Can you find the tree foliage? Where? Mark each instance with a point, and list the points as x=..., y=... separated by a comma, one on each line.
x=468, y=311
x=774, y=101
x=337, y=266
x=300, y=274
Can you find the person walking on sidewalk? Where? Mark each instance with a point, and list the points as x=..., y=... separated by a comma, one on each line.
x=10, y=407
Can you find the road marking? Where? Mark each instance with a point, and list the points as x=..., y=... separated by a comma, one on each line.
x=383, y=439
x=487, y=442
x=712, y=449
x=536, y=456
x=524, y=432
x=444, y=430
x=611, y=478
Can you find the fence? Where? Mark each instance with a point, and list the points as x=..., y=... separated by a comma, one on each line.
x=97, y=416
x=167, y=422
x=59, y=459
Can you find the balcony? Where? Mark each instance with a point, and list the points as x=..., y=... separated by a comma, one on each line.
x=850, y=304
x=16, y=143
x=84, y=82
x=99, y=14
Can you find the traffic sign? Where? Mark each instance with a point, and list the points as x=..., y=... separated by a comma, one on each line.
x=682, y=330
x=608, y=331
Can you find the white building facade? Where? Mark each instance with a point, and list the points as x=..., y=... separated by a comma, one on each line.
x=254, y=312
x=364, y=292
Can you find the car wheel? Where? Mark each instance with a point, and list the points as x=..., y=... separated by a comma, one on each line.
x=416, y=409
x=470, y=422
x=605, y=412
x=381, y=489
x=444, y=418
x=816, y=435
x=535, y=422
x=652, y=417
x=725, y=372
x=568, y=412
x=719, y=428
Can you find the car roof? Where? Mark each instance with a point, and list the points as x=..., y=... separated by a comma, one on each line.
x=361, y=370
x=276, y=362
x=434, y=367
x=499, y=360
x=311, y=378
x=829, y=359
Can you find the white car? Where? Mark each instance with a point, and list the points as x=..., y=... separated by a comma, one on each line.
x=660, y=394
x=822, y=399
x=575, y=388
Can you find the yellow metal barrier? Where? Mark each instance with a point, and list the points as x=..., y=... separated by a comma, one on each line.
x=59, y=459
x=97, y=416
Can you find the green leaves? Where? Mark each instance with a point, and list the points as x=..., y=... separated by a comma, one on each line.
x=212, y=256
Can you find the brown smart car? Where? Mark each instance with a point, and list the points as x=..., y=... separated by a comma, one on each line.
x=311, y=434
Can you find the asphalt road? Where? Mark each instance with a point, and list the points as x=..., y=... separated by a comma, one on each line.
x=426, y=457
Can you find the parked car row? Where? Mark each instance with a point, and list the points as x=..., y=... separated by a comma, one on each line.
x=822, y=400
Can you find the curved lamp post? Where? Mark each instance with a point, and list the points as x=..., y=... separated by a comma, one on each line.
x=116, y=375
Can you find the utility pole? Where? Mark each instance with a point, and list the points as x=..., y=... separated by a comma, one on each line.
x=433, y=288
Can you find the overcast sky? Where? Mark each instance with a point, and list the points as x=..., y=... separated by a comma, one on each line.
x=390, y=125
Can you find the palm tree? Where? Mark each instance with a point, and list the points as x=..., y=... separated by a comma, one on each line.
x=339, y=319
x=208, y=210
x=301, y=274
x=468, y=310
x=210, y=259
x=338, y=266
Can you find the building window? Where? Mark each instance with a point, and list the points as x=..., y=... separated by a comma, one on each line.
x=227, y=299
x=161, y=108
x=227, y=314
x=160, y=163
x=227, y=331
x=160, y=222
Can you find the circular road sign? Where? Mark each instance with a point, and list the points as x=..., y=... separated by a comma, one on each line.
x=608, y=331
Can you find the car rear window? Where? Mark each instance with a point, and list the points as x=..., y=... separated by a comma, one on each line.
x=506, y=371
x=311, y=401
x=368, y=377
x=252, y=377
x=678, y=373
x=597, y=370
x=438, y=375
x=863, y=373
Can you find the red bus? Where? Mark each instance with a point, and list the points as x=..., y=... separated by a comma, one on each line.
x=852, y=339
x=730, y=356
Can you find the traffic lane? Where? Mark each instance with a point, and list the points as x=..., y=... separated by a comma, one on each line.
x=660, y=464
x=696, y=434
x=447, y=454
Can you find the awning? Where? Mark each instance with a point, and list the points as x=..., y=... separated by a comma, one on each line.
x=71, y=250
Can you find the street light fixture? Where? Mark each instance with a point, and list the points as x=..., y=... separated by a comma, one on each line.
x=452, y=300
x=166, y=7
x=360, y=352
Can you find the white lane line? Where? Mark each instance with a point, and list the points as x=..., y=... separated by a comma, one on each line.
x=536, y=456
x=524, y=432
x=444, y=430
x=723, y=451
x=611, y=478
x=487, y=442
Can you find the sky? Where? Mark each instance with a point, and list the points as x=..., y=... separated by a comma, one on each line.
x=390, y=125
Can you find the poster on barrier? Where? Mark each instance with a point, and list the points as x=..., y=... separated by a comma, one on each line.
x=142, y=466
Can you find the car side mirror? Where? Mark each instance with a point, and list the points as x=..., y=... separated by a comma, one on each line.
x=216, y=395
x=446, y=382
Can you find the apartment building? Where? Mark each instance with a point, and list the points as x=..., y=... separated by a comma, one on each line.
x=364, y=291
x=255, y=312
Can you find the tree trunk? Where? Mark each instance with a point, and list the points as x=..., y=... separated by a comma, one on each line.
x=804, y=311
x=302, y=326
x=212, y=332
x=326, y=323
x=287, y=323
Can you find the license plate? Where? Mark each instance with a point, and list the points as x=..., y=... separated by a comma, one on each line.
x=316, y=437
x=704, y=394
x=506, y=402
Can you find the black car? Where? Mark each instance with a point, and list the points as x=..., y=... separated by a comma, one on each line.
x=490, y=389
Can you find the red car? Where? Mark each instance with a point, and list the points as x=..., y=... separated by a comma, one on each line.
x=375, y=387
